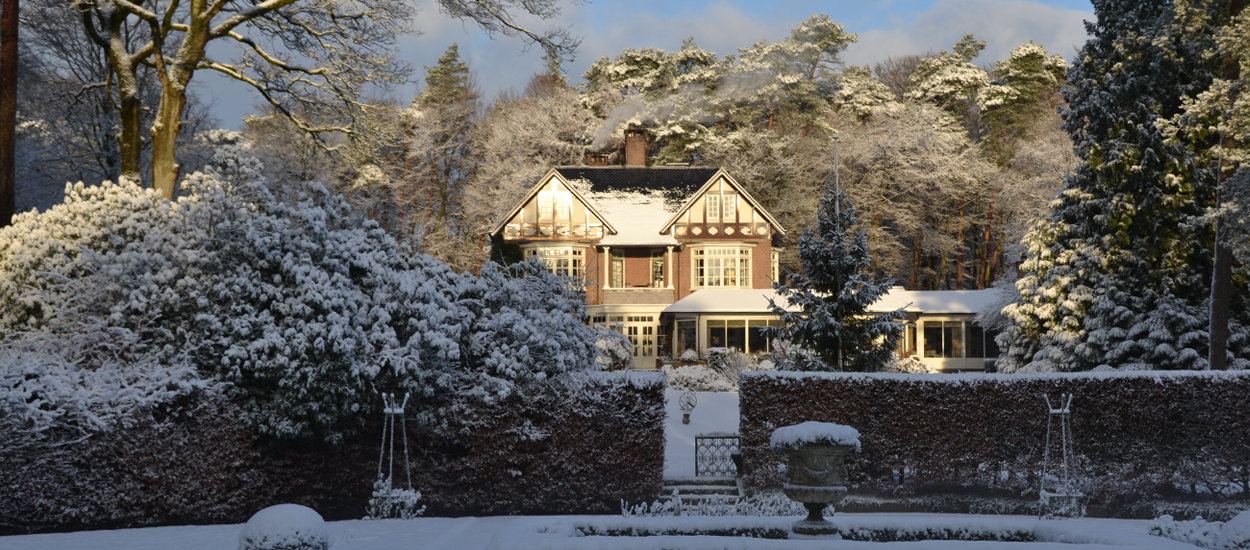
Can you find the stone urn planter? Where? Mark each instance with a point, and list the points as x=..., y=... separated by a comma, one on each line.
x=817, y=471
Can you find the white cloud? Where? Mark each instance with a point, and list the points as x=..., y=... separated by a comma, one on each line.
x=722, y=26
x=1003, y=24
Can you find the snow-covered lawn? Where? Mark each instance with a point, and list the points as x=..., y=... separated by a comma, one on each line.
x=715, y=412
x=565, y=532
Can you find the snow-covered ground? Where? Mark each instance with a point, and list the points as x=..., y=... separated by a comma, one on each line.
x=715, y=412
x=560, y=532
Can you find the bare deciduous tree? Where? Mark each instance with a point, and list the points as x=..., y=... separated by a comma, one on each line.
x=315, y=58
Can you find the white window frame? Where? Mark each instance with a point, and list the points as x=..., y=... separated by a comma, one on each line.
x=553, y=256
x=713, y=207
x=709, y=270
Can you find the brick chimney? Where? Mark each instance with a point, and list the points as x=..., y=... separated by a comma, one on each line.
x=635, y=146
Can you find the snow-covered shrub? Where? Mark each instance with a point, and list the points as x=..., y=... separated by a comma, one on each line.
x=305, y=307
x=689, y=355
x=719, y=374
x=908, y=365
x=760, y=504
x=696, y=378
x=1235, y=535
x=285, y=527
x=388, y=501
x=615, y=352
x=1198, y=532
x=527, y=324
x=729, y=363
x=94, y=380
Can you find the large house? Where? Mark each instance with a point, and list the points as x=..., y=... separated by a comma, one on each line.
x=683, y=258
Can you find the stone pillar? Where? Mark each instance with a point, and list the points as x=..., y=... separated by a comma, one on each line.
x=668, y=267
x=607, y=279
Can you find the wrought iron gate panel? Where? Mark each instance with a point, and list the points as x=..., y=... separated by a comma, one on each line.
x=713, y=455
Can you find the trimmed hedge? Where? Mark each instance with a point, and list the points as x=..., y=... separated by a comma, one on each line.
x=1139, y=437
x=577, y=445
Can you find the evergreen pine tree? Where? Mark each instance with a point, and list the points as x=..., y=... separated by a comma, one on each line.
x=1121, y=270
x=833, y=331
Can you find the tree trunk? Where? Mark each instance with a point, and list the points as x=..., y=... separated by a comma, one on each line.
x=1222, y=270
x=915, y=260
x=959, y=252
x=164, y=139
x=8, y=110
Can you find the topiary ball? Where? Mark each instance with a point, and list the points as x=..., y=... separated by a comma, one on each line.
x=285, y=527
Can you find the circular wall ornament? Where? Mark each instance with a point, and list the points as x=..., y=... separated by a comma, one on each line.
x=697, y=230
x=681, y=230
x=711, y=231
x=729, y=231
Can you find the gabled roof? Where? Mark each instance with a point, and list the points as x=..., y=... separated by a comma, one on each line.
x=708, y=185
x=534, y=191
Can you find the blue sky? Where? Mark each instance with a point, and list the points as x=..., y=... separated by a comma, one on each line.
x=886, y=28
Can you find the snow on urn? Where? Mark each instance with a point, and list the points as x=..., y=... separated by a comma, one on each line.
x=817, y=471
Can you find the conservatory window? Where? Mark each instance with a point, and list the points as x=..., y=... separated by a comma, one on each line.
x=722, y=267
x=953, y=339
x=564, y=261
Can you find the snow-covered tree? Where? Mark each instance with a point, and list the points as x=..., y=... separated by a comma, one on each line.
x=952, y=81
x=1013, y=101
x=1120, y=273
x=832, y=329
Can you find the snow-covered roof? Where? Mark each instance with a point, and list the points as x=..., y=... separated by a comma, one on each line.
x=746, y=300
x=727, y=300
x=948, y=301
x=636, y=215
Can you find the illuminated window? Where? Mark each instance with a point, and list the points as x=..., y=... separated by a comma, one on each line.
x=776, y=266
x=657, y=268
x=555, y=212
x=565, y=261
x=722, y=267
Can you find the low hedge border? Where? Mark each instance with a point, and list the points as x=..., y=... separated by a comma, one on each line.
x=1139, y=436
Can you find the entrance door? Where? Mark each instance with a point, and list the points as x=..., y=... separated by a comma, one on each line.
x=641, y=331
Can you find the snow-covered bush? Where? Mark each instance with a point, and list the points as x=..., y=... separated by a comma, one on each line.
x=90, y=381
x=285, y=527
x=696, y=378
x=305, y=307
x=388, y=501
x=614, y=349
x=1198, y=532
x=720, y=374
x=1235, y=535
x=908, y=365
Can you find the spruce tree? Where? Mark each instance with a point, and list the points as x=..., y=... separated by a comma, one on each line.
x=1120, y=272
x=833, y=330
